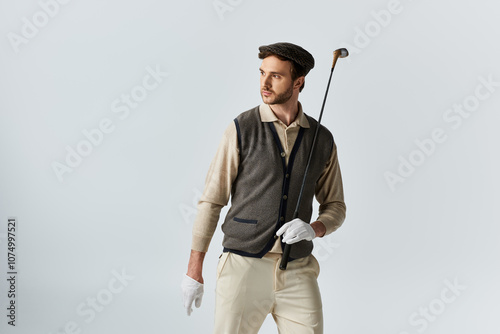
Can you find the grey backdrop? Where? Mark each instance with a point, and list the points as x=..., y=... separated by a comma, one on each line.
x=111, y=112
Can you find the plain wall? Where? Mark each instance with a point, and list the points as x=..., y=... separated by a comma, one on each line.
x=413, y=109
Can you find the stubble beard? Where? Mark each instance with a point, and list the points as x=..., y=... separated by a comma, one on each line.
x=280, y=98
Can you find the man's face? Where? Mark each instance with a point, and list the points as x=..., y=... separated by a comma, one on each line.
x=276, y=84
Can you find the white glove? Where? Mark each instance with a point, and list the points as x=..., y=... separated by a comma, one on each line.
x=192, y=290
x=296, y=230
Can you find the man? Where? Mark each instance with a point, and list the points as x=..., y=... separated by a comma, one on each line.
x=260, y=164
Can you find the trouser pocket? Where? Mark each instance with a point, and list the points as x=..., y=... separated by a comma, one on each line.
x=222, y=262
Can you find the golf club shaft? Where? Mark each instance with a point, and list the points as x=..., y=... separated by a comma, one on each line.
x=288, y=247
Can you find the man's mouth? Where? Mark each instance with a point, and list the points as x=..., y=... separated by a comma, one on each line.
x=266, y=92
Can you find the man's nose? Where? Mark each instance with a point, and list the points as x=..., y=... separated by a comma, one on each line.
x=266, y=81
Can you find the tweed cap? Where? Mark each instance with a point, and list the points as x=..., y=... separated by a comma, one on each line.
x=292, y=52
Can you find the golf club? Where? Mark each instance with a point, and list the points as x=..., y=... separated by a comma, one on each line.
x=339, y=53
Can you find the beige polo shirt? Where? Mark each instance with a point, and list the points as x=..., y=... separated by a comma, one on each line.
x=224, y=168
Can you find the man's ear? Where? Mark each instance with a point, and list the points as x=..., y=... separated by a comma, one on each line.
x=298, y=82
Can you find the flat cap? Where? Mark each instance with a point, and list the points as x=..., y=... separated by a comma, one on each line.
x=292, y=52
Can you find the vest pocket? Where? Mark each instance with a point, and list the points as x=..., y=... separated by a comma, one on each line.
x=245, y=221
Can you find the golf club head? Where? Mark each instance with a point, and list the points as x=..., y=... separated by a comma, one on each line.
x=342, y=52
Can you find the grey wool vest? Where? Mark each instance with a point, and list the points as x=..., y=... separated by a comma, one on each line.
x=265, y=192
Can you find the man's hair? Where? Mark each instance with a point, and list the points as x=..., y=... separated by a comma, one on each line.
x=297, y=70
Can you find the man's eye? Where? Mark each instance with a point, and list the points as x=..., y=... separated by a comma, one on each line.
x=276, y=76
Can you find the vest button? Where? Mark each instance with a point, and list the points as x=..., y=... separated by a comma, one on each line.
x=285, y=196
x=283, y=154
x=275, y=237
x=287, y=175
x=282, y=219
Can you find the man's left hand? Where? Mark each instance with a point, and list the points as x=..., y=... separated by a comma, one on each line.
x=296, y=230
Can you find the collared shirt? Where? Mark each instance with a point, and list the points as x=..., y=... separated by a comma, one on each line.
x=224, y=169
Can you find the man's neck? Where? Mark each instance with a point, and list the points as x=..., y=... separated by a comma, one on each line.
x=286, y=112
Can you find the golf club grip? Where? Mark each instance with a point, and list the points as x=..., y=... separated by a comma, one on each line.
x=288, y=248
x=286, y=255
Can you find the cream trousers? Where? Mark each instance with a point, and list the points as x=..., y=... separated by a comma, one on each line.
x=248, y=289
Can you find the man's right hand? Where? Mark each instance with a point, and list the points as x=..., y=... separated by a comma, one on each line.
x=192, y=284
x=192, y=290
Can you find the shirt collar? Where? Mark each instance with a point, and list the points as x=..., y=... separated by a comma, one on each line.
x=267, y=115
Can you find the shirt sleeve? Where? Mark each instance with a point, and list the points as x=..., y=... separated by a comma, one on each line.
x=330, y=195
x=218, y=183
